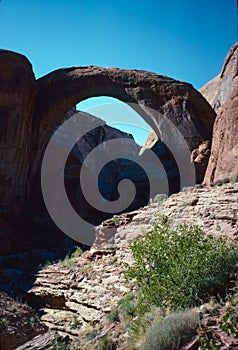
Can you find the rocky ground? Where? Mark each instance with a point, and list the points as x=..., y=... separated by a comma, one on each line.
x=75, y=298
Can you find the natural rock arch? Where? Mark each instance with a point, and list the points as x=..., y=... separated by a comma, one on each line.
x=180, y=102
x=31, y=109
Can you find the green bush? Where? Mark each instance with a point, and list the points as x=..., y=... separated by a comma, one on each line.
x=171, y=332
x=181, y=266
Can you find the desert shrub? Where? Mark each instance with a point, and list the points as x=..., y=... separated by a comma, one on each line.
x=127, y=305
x=171, y=332
x=125, y=309
x=220, y=182
x=180, y=266
x=113, y=316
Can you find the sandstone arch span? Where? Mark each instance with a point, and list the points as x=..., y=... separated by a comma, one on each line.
x=178, y=101
x=30, y=110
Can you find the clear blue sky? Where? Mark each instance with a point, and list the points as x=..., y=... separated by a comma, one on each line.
x=187, y=40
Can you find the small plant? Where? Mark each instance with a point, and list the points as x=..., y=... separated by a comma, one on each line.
x=180, y=266
x=69, y=259
x=116, y=220
x=69, y=262
x=5, y=322
x=85, y=269
x=172, y=331
x=77, y=253
x=113, y=316
x=59, y=344
x=127, y=305
x=220, y=182
x=33, y=321
x=74, y=324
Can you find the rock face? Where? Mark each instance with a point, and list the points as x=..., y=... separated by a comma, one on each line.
x=214, y=209
x=200, y=157
x=18, y=89
x=224, y=154
x=79, y=157
x=210, y=90
x=30, y=111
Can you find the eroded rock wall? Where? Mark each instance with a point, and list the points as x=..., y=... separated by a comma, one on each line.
x=224, y=154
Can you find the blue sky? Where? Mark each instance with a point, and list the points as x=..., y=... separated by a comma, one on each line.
x=187, y=40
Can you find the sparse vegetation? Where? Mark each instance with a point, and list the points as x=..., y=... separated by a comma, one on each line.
x=67, y=261
x=171, y=332
x=116, y=220
x=59, y=344
x=113, y=316
x=74, y=324
x=221, y=182
x=105, y=343
x=127, y=305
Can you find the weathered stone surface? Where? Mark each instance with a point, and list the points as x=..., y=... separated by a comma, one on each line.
x=40, y=342
x=228, y=77
x=224, y=154
x=210, y=90
x=89, y=286
x=18, y=90
x=200, y=157
x=218, y=90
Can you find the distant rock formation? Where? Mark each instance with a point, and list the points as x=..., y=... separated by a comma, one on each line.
x=79, y=157
x=224, y=154
x=210, y=90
